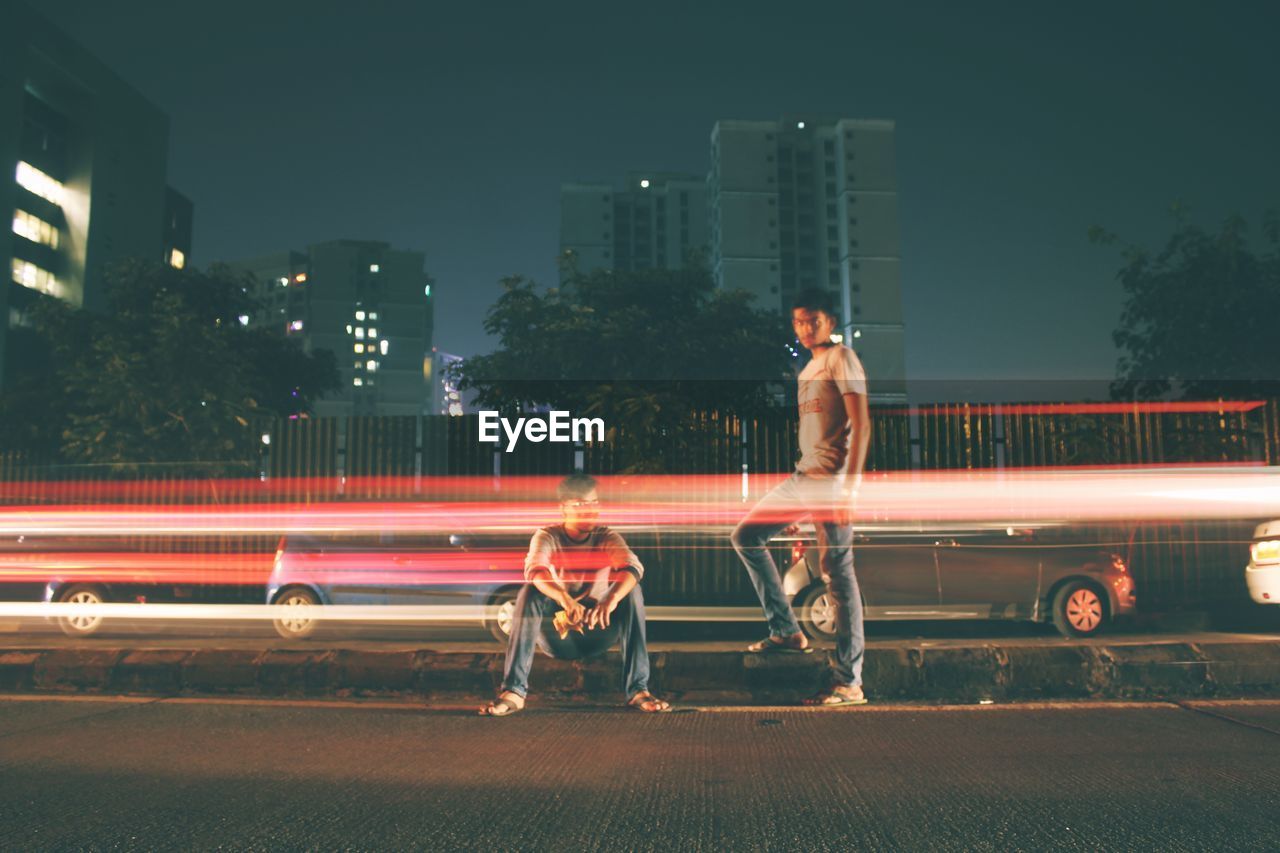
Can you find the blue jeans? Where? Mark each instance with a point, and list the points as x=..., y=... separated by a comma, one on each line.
x=797, y=498
x=532, y=629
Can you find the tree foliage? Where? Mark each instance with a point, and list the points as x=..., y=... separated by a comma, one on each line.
x=166, y=373
x=642, y=350
x=1198, y=318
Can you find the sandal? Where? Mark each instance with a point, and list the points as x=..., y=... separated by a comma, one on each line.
x=648, y=703
x=832, y=697
x=501, y=707
x=770, y=646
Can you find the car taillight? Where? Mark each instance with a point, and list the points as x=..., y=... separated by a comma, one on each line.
x=797, y=552
x=1266, y=551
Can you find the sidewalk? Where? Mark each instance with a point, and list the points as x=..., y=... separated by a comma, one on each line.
x=952, y=670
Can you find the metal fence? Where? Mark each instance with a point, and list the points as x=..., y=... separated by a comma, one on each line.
x=1176, y=565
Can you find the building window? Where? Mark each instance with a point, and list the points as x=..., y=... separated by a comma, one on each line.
x=382, y=346
x=29, y=275
x=295, y=326
x=33, y=180
x=358, y=348
x=359, y=315
x=34, y=229
x=177, y=259
x=357, y=382
x=374, y=268
x=371, y=365
x=359, y=333
x=373, y=333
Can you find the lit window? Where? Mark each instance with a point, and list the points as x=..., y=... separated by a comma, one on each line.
x=177, y=259
x=359, y=347
x=357, y=382
x=373, y=333
x=348, y=328
x=359, y=365
x=373, y=315
x=455, y=409
x=359, y=315
x=38, y=182
x=300, y=277
x=360, y=333
x=284, y=282
x=837, y=338
x=799, y=125
x=374, y=268
x=29, y=275
x=295, y=326
x=382, y=345
x=857, y=333
x=244, y=319
x=371, y=365
x=428, y=290
x=645, y=184
x=266, y=438
x=34, y=229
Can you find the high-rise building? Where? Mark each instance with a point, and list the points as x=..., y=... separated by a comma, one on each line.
x=658, y=220
x=813, y=202
x=88, y=156
x=370, y=305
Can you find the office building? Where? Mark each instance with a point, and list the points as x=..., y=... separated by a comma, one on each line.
x=813, y=202
x=370, y=305
x=83, y=167
x=658, y=220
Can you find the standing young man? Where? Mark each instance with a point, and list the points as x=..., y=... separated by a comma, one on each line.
x=585, y=569
x=835, y=431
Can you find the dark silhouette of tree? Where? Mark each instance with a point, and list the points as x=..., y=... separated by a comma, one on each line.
x=1198, y=320
x=166, y=373
x=643, y=350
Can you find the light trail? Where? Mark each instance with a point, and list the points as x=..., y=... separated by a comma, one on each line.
x=325, y=613
x=672, y=503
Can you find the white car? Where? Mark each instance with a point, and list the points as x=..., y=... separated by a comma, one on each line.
x=1263, y=572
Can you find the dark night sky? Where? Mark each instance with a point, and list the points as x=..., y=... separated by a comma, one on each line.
x=449, y=130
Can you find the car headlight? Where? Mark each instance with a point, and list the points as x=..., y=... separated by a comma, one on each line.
x=1266, y=551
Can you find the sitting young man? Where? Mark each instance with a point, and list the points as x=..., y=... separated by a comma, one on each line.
x=586, y=570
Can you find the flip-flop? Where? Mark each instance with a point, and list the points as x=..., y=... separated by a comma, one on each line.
x=500, y=708
x=768, y=647
x=832, y=699
x=639, y=701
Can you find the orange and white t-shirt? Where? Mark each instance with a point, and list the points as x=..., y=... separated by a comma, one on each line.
x=824, y=425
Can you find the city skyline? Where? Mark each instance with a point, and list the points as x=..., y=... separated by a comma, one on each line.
x=451, y=134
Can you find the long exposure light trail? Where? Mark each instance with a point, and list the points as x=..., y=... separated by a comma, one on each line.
x=1095, y=495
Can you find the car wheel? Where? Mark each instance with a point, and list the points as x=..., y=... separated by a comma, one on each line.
x=1079, y=610
x=500, y=613
x=81, y=625
x=817, y=612
x=299, y=620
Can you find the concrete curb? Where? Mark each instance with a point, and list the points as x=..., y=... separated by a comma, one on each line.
x=921, y=673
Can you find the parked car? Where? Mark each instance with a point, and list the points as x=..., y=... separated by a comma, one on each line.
x=1262, y=575
x=314, y=571
x=1036, y=574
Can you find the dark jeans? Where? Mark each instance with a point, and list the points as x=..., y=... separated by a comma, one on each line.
x=531, y=629
x=796, y=498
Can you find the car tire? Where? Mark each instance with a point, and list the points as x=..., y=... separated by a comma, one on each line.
x=299, y=624
x=499, y=613
x=1080, y=610
x=816, y=612
x=81, y=593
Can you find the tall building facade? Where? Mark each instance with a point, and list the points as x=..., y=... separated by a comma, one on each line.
x=813, y=202
x=369, y=304
x=658, y=220
x=83, y=166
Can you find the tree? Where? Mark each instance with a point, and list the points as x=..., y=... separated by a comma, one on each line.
x=167, y=373
x=643, y=350
x=1198, y=318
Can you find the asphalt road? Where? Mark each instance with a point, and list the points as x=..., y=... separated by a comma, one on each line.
x=174, y=773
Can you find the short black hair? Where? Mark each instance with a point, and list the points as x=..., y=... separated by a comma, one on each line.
x=575, y=486
x=814, y=299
